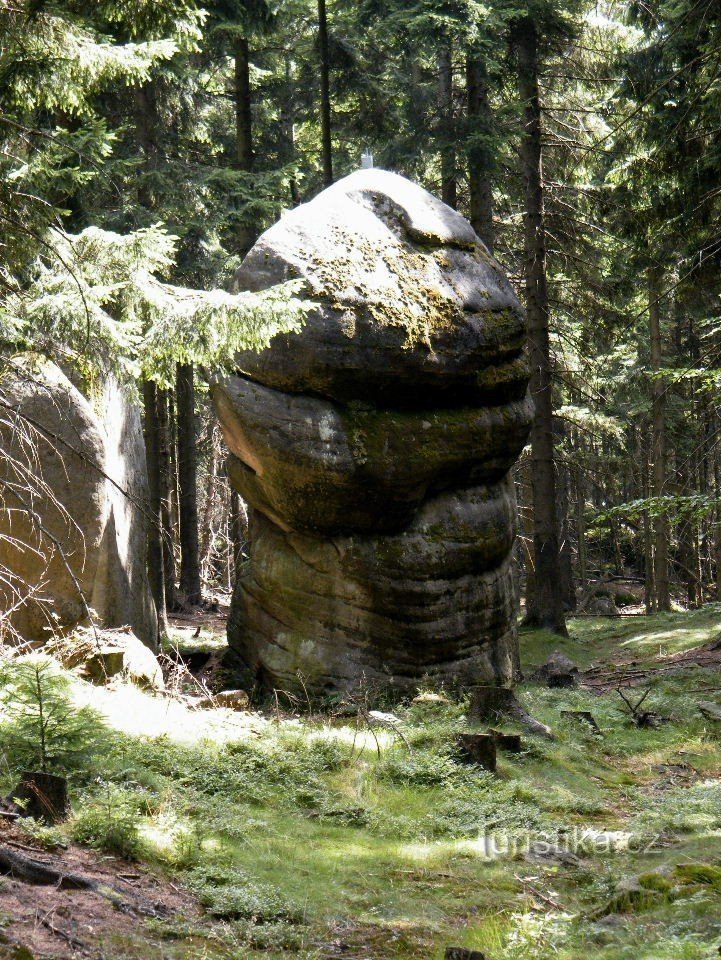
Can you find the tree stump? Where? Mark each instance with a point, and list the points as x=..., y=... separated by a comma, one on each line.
x=43, y=796
x=478, y=748
x=489, y=703
x=510, y=742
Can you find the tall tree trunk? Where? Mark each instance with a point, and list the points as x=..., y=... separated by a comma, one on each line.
x=187, y=484
x=581, y=526
x=325, y=125
x=525, y=516
x=146, y=126
x=658, y=473
x=563, y=495
x=481, y=160
x=155, y=535
x=649, y=578
x=448, y=140
x=549, y=582
x=287, y=122
x=165, y=481
x=243, y=131
x=210, y=504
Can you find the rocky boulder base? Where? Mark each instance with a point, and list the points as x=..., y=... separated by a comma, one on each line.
x=72, y=507
x=374, y=448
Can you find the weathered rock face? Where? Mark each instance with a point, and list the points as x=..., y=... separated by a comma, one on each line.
x=72, y=507
x=374, y=446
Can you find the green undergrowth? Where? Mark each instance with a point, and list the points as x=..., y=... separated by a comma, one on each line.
x=311, y=837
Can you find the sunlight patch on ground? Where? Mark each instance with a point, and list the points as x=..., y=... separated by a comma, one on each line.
x=497, y=845
x=130, y=710
x=668, y=641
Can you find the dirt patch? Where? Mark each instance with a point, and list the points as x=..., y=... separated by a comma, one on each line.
x=55, y=924
x=212, y=618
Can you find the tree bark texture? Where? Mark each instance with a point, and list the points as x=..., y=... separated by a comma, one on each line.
x=449, y=188
x=246, y=235
x=156, y=572
x=480, y=151
x=166, y=484
x=548, y=582
x=187, y=484
x=658, y=454
x=325, y=118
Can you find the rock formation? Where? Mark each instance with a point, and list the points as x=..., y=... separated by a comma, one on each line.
x=72, y=507
x=374, y=447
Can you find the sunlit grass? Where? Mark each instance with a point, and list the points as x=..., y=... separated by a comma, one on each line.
x=330, y=831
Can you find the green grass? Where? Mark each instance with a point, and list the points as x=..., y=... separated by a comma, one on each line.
x=297, y=835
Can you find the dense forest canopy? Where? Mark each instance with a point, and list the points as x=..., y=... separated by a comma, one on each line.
x=146, y=145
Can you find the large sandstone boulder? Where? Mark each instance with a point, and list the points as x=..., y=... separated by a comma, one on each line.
x=72, y=507
x=374, y=447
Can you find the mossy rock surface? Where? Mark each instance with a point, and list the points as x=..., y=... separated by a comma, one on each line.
x=374, y=445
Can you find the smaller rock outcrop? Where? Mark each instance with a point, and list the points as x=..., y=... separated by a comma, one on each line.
x=72, y=506
x=558, y=671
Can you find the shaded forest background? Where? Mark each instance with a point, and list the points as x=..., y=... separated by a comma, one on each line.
x=145, y=146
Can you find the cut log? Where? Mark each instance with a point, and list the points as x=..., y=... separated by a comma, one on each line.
x=478, y=748
x=43, y=796
x=535, y=726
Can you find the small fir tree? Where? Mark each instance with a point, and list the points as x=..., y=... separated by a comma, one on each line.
x=42, y=728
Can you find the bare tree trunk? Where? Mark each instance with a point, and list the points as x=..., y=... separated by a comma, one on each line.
x=187, y=484
x=581, y=526
x=658, y=474
x=549, y=584
x=325, y=119
x=209, y=504
x=146, y=127
x=716, y=547
x=155, y=549
x=525, y=532
x=563, y=484
x=481, y=159
x=649, y=580
x=146, y=124
x=287, y=122
x=165, y=480
x=243, y=131
x=445, y=101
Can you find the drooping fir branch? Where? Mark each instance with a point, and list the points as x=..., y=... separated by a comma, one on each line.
x=101, y=301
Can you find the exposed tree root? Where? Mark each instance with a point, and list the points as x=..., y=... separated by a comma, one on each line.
x=37, y=871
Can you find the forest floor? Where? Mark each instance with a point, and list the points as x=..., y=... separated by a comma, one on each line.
x=273, y=835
